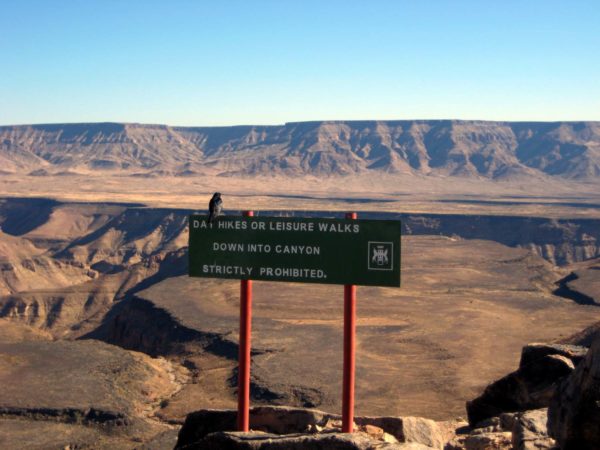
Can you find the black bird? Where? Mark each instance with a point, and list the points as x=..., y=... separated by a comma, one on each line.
x=215, y=206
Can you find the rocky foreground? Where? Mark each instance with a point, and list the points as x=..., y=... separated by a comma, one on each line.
x=552, y=401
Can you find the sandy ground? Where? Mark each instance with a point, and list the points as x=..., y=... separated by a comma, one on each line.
x=550, y=198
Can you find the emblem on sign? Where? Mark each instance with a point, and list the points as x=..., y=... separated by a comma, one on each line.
x=380, y=255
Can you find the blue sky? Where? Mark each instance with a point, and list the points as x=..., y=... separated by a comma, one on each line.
x=270, y=62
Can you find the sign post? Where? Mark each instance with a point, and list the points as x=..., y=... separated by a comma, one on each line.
x=346, y=252
x=349, y=353
x=243, y=417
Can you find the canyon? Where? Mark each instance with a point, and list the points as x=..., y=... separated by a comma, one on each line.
x=108, y=343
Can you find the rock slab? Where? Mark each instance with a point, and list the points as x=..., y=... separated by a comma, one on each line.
x=265, y=441
x=530, y=387
x=574, y=412
x=277, y=425
x=530, y=431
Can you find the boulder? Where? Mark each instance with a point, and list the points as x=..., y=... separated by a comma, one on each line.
x=530, y=431
x=574, y=412
x=325, y=441
x=408, y=429
x=489, y=441
x=422, y=431
x=530, y=387
x=262, y=441
x=533, y=352
x=270, y=419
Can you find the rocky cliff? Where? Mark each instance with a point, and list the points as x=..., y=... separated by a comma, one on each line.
x=494, y=150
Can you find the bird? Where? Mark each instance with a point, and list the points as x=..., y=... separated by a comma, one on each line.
x=215, y=206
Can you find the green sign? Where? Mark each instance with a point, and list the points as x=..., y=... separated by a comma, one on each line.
x=306, y=250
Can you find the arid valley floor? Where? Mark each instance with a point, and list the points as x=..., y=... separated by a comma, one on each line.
x=106, y=342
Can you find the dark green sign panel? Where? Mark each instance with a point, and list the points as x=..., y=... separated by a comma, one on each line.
x=306, y=250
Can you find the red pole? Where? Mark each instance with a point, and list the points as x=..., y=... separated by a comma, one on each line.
x=243, y=417
x=349, y=352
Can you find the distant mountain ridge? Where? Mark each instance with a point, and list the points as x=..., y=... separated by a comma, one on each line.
x=493, y=150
